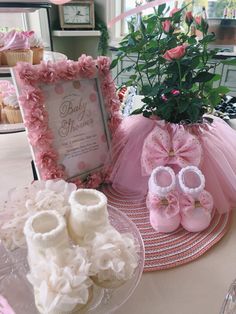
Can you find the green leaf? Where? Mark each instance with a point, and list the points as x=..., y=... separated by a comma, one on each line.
x=146, y=90
x=114, y=63
x=130, y=27
x=119, y=53
x=183, y=106
x=193, y=113
x=208, y=38
x=143, y=28
x=214, y=99
x=133, y=77
x=216, y=78
x=131, y=42
x=192, y=40
x=203, y=77
x=161, y=9
x=222, y=89
x=229, y=61
x=137, y=111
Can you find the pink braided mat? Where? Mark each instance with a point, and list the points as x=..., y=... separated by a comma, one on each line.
x=163, y=251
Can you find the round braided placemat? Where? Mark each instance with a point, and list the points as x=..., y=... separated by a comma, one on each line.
x=167, y=250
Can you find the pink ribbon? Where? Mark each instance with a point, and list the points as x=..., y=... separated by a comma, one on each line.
x=188, y=203
x=168, y=206
x=136, y=10
x=171, y=146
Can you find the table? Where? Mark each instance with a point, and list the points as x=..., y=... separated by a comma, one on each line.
x=195, y=288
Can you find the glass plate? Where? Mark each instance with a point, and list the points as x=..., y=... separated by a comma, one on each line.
x=19, y=293
x=229, y=304
x=11, y=128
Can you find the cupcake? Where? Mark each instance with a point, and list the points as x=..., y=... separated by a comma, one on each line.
x=2, y=35
x=37, y=47
x=12, y=109
x=6, y=89
x=17, y=48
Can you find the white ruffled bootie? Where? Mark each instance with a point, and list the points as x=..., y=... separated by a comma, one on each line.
x=46, y=235
x=59, y=272
x=88, y=213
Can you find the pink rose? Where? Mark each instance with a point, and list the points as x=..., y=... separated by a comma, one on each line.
x=198, y=20
x=201, y=24
x=175, y=92
x=103, y=65
x=87, y=67
x=175, y=53
x=167, y=26
x=163, y=97
x=47, y=159
x=189, y=18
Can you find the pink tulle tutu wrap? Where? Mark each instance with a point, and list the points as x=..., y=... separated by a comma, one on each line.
x=141, y=144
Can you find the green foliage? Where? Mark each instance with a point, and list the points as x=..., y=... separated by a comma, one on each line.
x=104, y=38
x=177, y=84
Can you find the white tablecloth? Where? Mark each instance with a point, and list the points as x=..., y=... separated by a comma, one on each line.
x=195, y=288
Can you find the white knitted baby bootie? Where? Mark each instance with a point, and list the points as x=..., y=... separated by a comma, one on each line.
x=59, y=272
x=46, y=234
x=88, y=213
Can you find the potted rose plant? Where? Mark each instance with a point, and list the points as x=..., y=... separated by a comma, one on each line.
x=171, y=67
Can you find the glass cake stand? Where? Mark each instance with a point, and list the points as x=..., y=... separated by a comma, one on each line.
x=19, y=293
x=229, y=304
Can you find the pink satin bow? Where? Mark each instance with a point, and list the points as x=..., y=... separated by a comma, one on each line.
x=188, y=204
x=167, y=206
x=170, y=145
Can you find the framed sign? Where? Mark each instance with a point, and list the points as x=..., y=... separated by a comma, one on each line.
x=70, y=111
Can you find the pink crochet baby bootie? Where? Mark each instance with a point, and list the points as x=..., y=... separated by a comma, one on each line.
x=162, y=200
x=196, y=204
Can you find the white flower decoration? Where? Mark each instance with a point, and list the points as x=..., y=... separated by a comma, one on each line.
x=61, y=288
x=24, y=202
x=113, y=256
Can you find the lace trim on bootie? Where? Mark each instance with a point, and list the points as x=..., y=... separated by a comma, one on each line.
x=193, y=191
x=158, y=188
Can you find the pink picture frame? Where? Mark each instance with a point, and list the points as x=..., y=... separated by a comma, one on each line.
x=70, y=111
